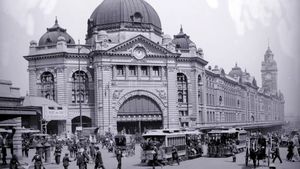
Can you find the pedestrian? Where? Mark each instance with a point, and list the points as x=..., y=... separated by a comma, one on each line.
x=66, y=161
x=14, y=162
x=175, y=155
x=38, y=164
x=119, y=158
x=27, y=147
x=4, y=154
x=85, y=157
x=57, y=154
x=290, y=153
x=277, y=154
x=155, y=158
x=92, y=151
x=98, y=159
x=80, y=161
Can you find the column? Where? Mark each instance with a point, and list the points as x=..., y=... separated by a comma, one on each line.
x=151, y=72
x=172, y=120
x=17, y=139
x=139, y=73
x=126, y=72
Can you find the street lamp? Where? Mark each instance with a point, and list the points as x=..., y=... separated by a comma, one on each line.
x=79, y=85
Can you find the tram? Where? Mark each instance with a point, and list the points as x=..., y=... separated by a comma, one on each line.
x=222, y=142
x=186, y=143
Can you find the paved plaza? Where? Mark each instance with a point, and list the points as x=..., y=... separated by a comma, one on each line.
x=133, y=162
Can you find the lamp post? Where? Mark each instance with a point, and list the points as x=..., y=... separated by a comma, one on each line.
x=79, y=85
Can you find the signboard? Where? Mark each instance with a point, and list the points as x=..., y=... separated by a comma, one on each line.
x=79, y=128
x=54, y=113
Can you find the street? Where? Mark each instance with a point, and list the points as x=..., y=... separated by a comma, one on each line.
x=133, y=162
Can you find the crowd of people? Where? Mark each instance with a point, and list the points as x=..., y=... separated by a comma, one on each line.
x=88, y=151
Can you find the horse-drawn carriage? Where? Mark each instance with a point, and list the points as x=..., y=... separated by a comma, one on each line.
x=258, y=148
x=125, y=143
x=226, y=142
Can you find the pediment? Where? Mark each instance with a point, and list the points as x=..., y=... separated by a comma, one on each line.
x=151, y=48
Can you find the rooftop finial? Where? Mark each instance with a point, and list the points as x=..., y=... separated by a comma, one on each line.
x=78, y=41
x=56, y=22
x=236, y=64
x=181, y=30
x=269, y=44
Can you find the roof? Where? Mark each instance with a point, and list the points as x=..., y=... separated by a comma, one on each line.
x=182, y=40
x=52, y=35
x=111, y=14
x=39, y=102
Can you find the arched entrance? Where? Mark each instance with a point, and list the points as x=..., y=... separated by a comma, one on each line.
x=56, y=126
x=139, y=113
x=86, y=122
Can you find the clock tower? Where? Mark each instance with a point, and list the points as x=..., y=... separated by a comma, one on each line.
x=269, y=72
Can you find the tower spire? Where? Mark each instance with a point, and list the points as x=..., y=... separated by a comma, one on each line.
x=181, y=30
x=56, y=22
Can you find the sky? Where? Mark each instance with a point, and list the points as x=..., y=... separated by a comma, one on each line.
x=228, y=31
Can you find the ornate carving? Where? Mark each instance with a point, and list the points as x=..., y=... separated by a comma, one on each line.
x=162, y=94
x=106, y=67
x=171, y=69
x=117, y=93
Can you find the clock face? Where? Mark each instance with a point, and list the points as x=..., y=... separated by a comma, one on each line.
x=139, y=52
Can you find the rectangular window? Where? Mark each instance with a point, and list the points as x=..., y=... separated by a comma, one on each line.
x=144, y=71
x=51, y=108
x=120, y=70
x=132, y=70
x=156, y=71
x=59, y=108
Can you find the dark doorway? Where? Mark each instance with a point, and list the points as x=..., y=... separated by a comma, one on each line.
x=86, y=122
x=142, y=113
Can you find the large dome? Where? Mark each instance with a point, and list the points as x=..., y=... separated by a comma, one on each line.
x=116, y=14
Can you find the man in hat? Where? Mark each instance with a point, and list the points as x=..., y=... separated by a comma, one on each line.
x=119, y=158
x=98, y=159
x=66, y=161
x=38, y=164
x=175, y=155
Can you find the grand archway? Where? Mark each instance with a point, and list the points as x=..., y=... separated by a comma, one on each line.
x=139, y=113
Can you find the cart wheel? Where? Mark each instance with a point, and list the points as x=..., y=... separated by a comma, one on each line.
x=246, y=157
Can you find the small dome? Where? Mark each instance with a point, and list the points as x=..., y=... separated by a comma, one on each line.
x=116, y=14
x=52, y=34
x=236, y=72
x=182, y=40
x=33, y=42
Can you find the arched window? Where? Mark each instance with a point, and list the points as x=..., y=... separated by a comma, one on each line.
x=47, y=85
x=200, y=95
x=80, y=87
x=182, y=87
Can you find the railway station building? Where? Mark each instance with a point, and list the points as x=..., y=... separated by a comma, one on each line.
x=130, y=76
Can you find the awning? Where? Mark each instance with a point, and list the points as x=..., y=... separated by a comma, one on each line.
x=5, y=131
x=139, y=118
x=17, y=112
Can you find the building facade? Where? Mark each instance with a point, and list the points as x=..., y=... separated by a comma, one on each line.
x=130, y=76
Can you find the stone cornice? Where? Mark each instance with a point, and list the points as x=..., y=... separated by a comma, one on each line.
x=191, y=59
x=55, y=55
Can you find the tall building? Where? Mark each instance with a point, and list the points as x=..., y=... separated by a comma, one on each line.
x=130, y=76
x=269, y=72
